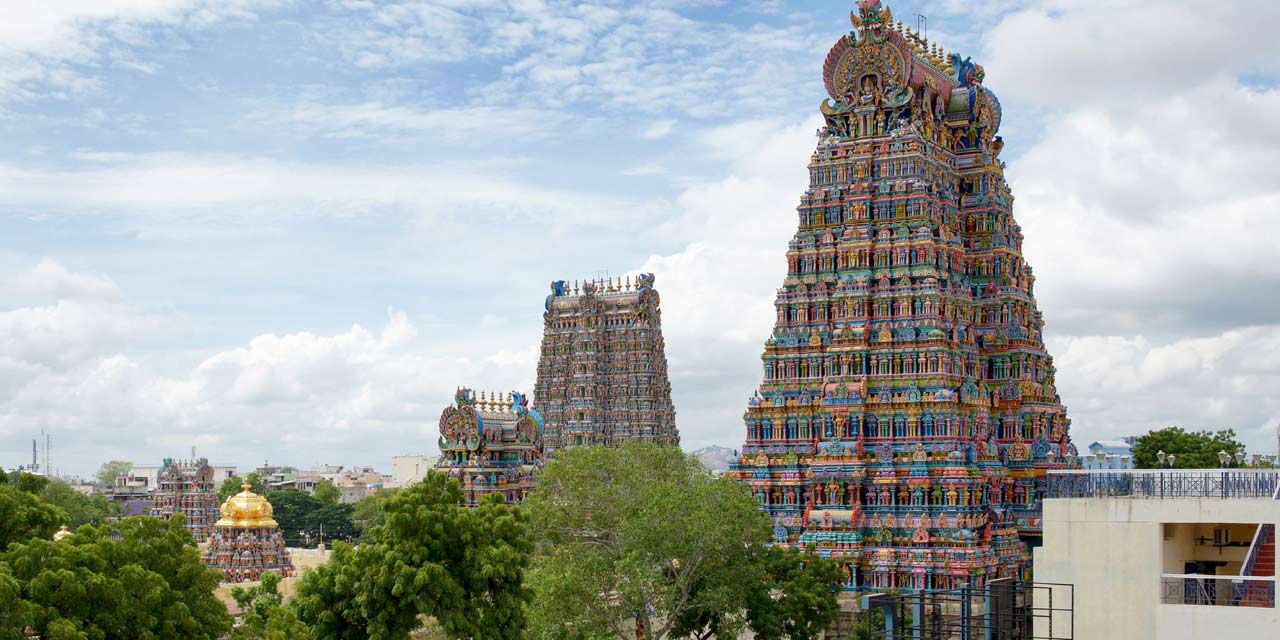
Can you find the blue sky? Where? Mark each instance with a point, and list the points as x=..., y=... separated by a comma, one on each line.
x=288, y=230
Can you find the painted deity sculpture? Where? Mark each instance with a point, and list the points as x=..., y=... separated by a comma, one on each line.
x=907, y=393
x=491, y=444
x=602, y=374
x=187, y=487
x=246, y=540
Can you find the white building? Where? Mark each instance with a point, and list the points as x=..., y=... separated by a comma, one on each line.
x=409, y=470
x=1174, y=555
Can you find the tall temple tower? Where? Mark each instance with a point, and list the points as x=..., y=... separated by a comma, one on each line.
x=908, y=411
x=602, y=375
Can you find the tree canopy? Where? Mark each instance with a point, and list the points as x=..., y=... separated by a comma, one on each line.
x=327, y=493
x=645, y=535
x=306, y=520
x=80, y=508
x=367, y=514
x=1194, y=449
x=435, y=557
x=23, y=514
x=235, y=484
x=148, y=585
x=263, y=614
x=110, y=470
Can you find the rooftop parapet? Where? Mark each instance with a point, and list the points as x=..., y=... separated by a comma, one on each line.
x=1165, y=483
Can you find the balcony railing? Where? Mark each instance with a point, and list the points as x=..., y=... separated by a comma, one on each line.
x=1155, y=483
x=1218, y=591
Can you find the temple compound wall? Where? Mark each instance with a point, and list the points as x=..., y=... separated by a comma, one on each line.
x=491, y=443
x=602, y=374
x=908, y=412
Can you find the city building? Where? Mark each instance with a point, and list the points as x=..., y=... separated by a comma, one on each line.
x=1164, y=554
x=187, y=487
x=408, y=470
x=602, y=374
x=1108, y=454
x=908, y=410
x=491, y=444
x=246, y=540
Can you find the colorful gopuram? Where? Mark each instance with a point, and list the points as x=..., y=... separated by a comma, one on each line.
x=491, y=444
x=187, y=487
x=908, y=412
x=602, y=375
x=246, y=540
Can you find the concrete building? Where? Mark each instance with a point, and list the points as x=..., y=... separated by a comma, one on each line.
x=1109, y=454
x=409, y=470
x=1174, y=555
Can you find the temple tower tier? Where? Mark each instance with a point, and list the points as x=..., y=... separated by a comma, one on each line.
x=907, y=412
x=491, y=443
x=602, y=374
x=187, y=487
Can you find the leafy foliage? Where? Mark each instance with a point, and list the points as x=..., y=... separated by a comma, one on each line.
x=149, y=585
x=263, y=615
x=368, y=514
x=1194, y=450
x=798, y=599
x=23, y=516
x=645, y=534
x=80, y=509
x=306, y=520
x=235, y=484
x=110, y=470
x=327, y=493
x=433, y=557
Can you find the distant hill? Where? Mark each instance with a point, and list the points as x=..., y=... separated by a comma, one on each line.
x=715, y=457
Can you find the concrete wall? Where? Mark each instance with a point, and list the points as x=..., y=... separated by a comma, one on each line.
x=1113, y=551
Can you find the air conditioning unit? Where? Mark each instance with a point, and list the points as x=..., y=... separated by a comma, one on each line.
x=1221, y=536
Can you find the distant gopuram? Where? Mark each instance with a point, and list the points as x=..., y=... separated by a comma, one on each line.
x=187, y=487
x=491, y=444
x=602, y=376
x=908, y=412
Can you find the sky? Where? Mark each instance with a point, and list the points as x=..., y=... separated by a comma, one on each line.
x=288, y=230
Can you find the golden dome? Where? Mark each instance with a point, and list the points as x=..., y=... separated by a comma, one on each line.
x=62, y=534
x=246, y=510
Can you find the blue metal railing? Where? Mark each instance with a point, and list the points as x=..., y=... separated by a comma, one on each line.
x=1154, y=483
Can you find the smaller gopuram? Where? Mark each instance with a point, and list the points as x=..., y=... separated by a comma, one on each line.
x=602, y=372
x=491, y=444
x=246, y=540
x=187, y=487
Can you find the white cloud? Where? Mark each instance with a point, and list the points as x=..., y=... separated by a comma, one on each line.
x=1129, y=385
x=48, y=43
x=51, y=279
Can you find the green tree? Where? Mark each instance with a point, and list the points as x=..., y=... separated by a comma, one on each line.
x=1194, y=450
x=799, y=597
x=23, y=515
x=235, y=484
x=80, y=509
x=367, y=514
x=434, y=557
x=149, y=584
x=306, y=520
x=110, y=470
x=645, y=534
x=327, y=493
x=264, y=617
